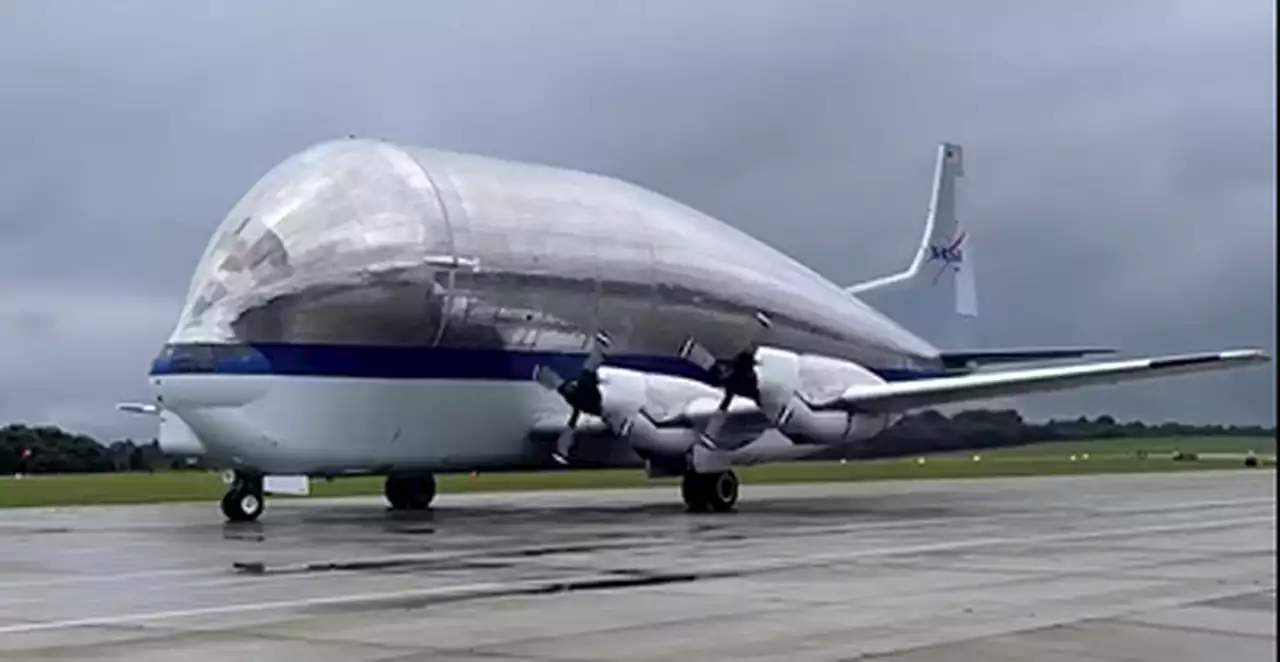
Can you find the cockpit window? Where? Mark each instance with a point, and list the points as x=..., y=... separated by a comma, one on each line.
x=325, y=220
x=202, y=357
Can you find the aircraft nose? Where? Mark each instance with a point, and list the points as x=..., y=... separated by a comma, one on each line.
x=319, y=228
x=187, y=375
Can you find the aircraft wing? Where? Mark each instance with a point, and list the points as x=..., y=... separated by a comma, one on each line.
x=900, y=396
x=744, y=421
x=965, y=359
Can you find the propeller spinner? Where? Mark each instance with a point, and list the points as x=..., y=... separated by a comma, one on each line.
x=736, y=374
x=582, y=393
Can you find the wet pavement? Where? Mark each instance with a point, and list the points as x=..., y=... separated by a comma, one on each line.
x=1134, y=567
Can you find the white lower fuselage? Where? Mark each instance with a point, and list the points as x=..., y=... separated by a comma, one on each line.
x=329, y=425
x=325, y=425
x=317, y=425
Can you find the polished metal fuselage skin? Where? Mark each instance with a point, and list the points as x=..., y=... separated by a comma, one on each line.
x=459, y=270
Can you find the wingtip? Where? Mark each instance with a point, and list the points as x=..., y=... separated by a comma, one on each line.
x=1230, y=357
x=1250, y=355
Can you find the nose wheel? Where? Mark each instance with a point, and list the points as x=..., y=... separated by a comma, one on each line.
x=410, y=491
x=715, y=492
x=244, y=502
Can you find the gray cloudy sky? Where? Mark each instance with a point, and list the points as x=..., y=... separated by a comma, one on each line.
x=1120, y=155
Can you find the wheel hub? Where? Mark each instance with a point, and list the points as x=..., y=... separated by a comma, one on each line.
x=249, y=503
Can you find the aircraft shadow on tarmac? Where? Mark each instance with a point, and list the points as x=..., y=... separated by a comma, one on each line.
x=583, y=516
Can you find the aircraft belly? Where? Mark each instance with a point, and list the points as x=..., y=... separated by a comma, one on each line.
x=305, y=424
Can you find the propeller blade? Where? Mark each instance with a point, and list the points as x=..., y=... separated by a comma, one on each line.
x=612, y=425
x=716, y=421
x=754, y=331
x=712, y=431
x=620, y=428
x=599, y=343
x=564, y=444
x=547, y=378
x=624, y=429
x=693, y=352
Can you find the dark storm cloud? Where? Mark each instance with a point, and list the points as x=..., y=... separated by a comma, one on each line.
x=1120, y=155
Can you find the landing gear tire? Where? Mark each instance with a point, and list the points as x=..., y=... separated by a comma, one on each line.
x=410, y=491
x=244, y=502
x=715, y=492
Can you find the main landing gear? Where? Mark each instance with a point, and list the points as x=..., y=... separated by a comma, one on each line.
x=244, y=502
x=715, y=492
x=410, y=491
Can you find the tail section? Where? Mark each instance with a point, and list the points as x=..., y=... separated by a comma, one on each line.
x=942, y=271
x=944, y=260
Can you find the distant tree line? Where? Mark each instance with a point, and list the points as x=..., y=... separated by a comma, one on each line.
x=932, y=432
x=49, y=449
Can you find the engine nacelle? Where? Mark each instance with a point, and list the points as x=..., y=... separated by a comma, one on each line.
x=631, y=394
x=791, y=385
x=650, y=440
x=802, y=425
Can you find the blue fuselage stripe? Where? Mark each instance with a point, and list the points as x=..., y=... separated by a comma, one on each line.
x=416, y=362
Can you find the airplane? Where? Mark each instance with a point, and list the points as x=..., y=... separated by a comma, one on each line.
x=375, y=308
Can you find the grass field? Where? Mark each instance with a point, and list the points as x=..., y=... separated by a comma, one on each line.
x=1104, y=456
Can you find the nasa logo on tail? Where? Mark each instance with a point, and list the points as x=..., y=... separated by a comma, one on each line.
x=950, y=255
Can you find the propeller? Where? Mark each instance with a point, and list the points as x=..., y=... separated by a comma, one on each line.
x=582, y=393
x=736, y=374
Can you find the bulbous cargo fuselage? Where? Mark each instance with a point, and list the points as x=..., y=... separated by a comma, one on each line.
x=367, y=304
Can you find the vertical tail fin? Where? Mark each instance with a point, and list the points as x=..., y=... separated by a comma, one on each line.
x=944, y=260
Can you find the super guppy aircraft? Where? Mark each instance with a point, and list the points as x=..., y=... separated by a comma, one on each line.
x=374, y=308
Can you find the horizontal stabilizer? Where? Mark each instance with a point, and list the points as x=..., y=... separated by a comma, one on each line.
x=901, y=396
x=967, y=359
x=138, y=408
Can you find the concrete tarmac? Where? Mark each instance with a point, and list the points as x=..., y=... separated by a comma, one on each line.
x=1121, y=567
